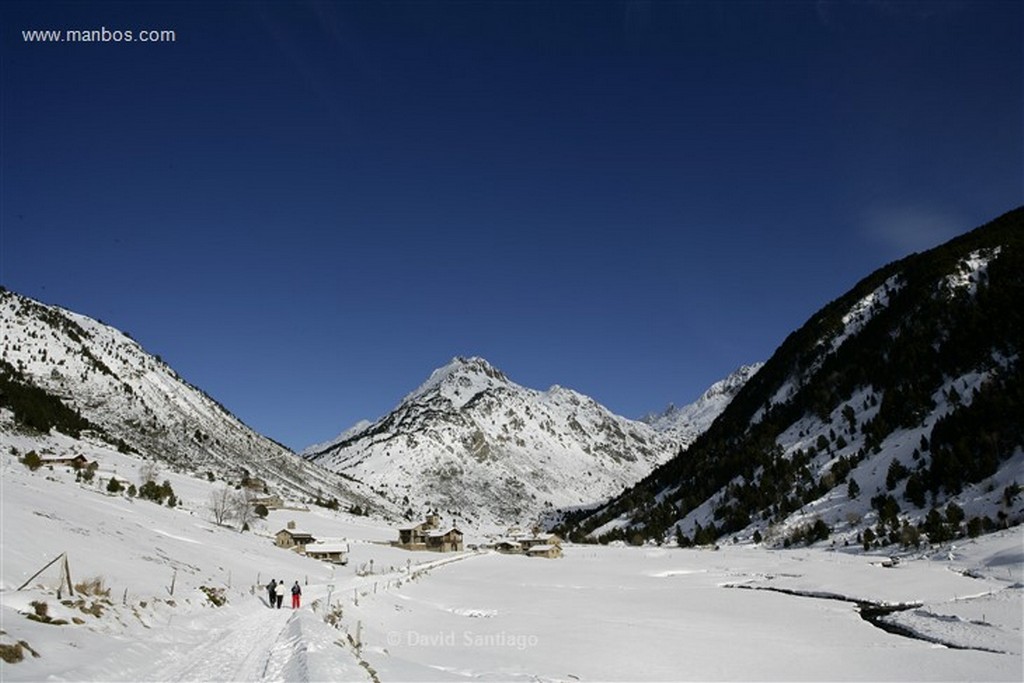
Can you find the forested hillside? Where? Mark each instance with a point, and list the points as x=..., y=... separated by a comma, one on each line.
x=893, y=415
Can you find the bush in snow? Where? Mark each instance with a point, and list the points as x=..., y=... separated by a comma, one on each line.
x=32, y=461
x=1010, y=493
x=12, y=653
x=87, y=473
x=214, y=595
x=158, y=493
x=40, y=613
x=93, y=586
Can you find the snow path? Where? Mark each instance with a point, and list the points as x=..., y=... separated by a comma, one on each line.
x=242, y=641
x=247, y=648
x=251, y=642
x=247, y=641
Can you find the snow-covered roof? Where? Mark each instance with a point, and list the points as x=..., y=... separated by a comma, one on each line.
x=505, y=541
x=443, y=532
x=412, y=526
x=296, y=532
x=539, y=538
x=541, y=548
x=327, y=547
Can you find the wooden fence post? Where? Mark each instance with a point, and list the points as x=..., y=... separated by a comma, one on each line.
x=48, y=564
x=67, y=575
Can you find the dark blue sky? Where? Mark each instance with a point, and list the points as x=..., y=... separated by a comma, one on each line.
x=306, y=207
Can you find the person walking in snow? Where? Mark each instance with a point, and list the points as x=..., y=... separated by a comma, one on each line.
x=280, y=593
x=272, y=593
x=296, y=593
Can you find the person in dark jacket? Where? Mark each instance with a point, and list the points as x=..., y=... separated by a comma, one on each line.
x=296, y=593
x=272, y=593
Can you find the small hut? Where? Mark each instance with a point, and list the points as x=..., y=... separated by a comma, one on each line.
x=335, y=552
x=445, y=540
x=507, y=546
x=292, y=538
x=549, y=551
x=78, y=462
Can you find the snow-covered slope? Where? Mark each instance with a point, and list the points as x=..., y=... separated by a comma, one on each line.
x=686, y=423
x=141, y=404
x=393, y=615
x=472, y=442
x=892, y=417
x=154, y=568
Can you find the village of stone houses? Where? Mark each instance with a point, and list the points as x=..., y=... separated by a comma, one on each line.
x=202, y=551
x=99, y=584
x=428, y=534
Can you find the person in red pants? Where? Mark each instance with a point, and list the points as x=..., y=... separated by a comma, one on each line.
x=296, y=595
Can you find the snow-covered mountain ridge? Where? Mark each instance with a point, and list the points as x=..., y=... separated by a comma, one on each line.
x=140, y=403
x=892, y=416
x=485, y=449
x=686, y=423
x=156, y=572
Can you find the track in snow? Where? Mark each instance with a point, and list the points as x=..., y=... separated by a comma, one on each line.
x=250, y=643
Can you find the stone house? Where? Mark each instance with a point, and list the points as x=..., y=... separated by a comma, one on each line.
x=270, y=502
x=445, y=540
x=427, y=535
x=508, y=546
x=541, y=545
x=292, y=538
x=413, y=536
x=78, y=462
x=335, y=552
x=549, y=551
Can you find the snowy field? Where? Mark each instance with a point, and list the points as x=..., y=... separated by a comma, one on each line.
x=669, y=614
x=739, y=613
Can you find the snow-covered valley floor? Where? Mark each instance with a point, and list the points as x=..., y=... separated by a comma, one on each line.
x=739, y=613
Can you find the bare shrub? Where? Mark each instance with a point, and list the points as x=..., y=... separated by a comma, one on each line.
x=214, y=595
x=221, y=505
x=93, y=586
x=149, y=471
x=41, y=614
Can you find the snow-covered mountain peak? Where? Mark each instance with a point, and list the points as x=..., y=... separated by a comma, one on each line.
x=685, y=423
x=888, y=417
x=459, y=381
x=138, y=403
x=971, y=269
x=557, y=391
x=474, y=443
x=731, y=384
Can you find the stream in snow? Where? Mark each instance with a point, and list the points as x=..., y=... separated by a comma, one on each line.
x=599, y=613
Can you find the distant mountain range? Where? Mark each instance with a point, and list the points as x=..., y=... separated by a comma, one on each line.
x=483, y=449
x=894, y=415
x=684, y=424
x=65, y=371
x=468, y=441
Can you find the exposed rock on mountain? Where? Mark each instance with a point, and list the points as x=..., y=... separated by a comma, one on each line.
x=475, y=444
x=892, y=416
x=65, y=371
